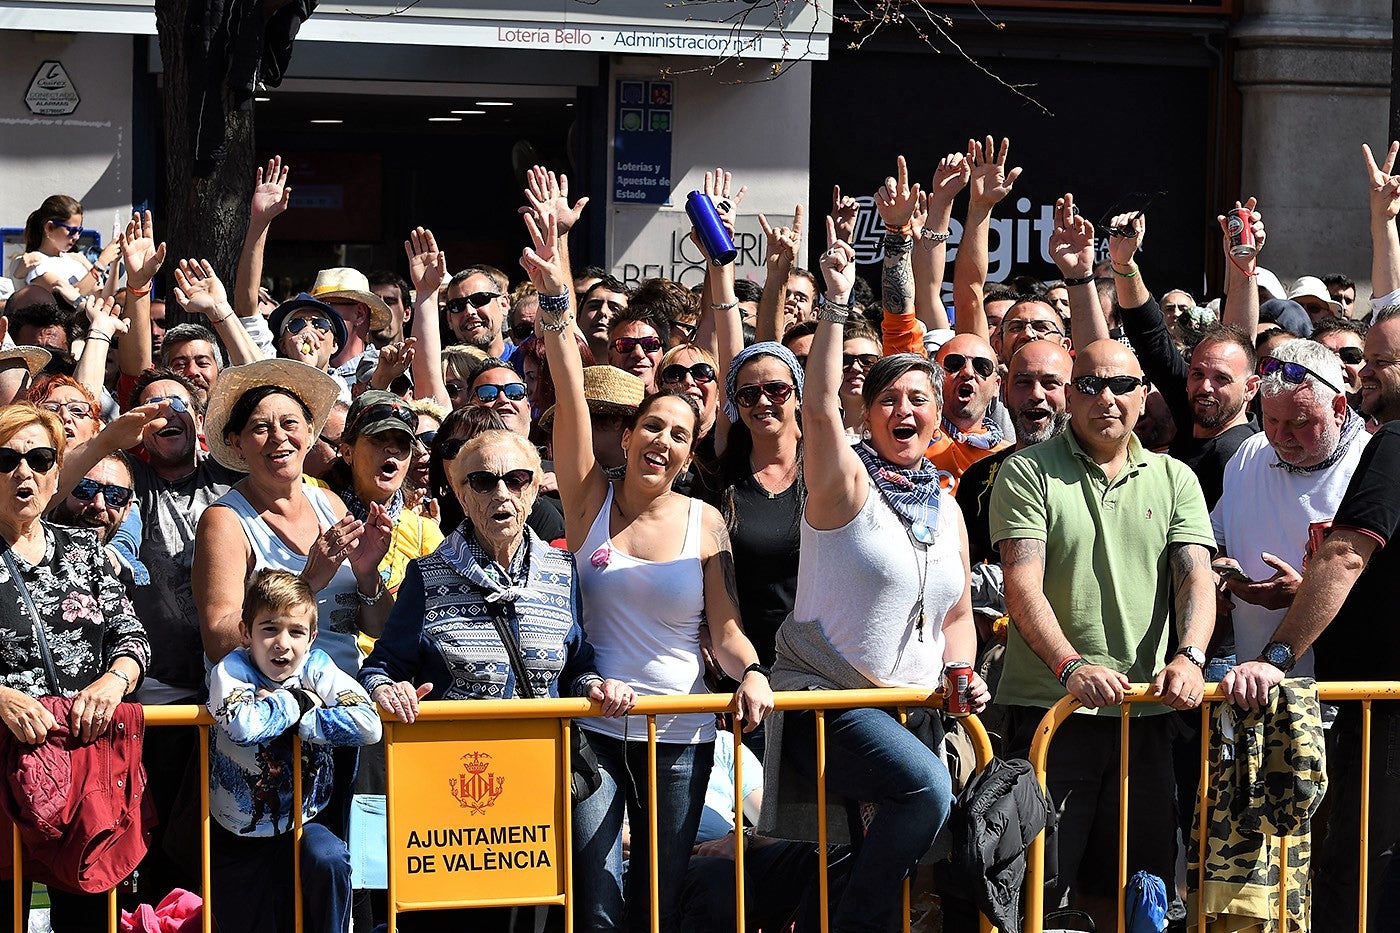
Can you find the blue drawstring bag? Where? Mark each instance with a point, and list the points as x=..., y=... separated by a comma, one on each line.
x=1146, y=904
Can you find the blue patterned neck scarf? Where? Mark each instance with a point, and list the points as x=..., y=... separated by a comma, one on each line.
x=913, y=494
x=500, y=585
x=990, y=437
x=355, y=507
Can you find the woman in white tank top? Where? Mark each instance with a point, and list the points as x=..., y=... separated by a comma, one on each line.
x=653, y=567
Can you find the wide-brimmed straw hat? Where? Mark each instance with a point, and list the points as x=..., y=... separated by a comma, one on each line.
x=351, y=283
x=34, y=358
x=609, y=391
x=315, y=388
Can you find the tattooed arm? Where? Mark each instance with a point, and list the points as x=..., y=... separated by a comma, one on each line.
x=896, y=202
x=1023, y=571
x=732, y=647
x=1181, y=682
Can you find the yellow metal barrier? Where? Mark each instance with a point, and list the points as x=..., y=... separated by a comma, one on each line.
x=563, y=710
x=1365, y=692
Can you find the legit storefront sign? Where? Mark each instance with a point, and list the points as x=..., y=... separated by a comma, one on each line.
x=476, y=814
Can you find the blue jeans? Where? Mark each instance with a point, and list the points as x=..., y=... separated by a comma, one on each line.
x=252, y=879
x=682, y=772
x=870, y=757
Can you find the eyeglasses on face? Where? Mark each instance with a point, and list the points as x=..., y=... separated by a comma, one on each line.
x=981, y=365
x=1291, y=373
x=1352, y=356
x=475, y=299
x=484, y=481
x=1021, y=325
x=1118, y=385
x=298, y=324
x=452, y=447
x=71, y=230
x=625, y=345
x=776, y=392
x=426, y=438
x=77, y=410
x=685, y=329
x=400, y=413
x=115, y=496
x=515, y=391
x=40, y=459
x=176, y=403
x=455, y=388
x=700, y=373
x=866, y=360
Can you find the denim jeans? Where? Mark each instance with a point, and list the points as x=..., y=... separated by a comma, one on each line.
x=252, y=879
x=682, y=772
x=871, y=758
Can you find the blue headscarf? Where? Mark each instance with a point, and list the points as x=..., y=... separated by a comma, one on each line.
x=766, y=348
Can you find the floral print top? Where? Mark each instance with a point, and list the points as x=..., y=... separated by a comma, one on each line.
x=88, y=619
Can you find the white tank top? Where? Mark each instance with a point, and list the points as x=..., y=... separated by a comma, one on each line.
x=337, y=606
x=643, y=618
x=861, y=582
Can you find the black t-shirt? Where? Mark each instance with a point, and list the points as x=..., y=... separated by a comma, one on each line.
x=1363, y=642
x=974, y=497
x=1207, y=456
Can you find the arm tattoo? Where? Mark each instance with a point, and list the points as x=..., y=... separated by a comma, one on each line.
x=1186, y=560
x=724, y=553
x=897, y=280
x=1015, y=551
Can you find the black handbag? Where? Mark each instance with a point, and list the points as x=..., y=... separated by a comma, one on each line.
x=585, y=776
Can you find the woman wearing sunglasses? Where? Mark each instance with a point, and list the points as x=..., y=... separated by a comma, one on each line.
x=70, y=628
x=653, y=565
x=50, y=257
x=691, y=369
x=859, y=352
x=883, y=600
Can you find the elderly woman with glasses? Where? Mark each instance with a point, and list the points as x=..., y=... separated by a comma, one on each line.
x=492, y=614
x=67, y=624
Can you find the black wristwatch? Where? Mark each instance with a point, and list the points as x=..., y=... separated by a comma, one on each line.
x=1193, y=654
x=756, y=666
x=1279, y=654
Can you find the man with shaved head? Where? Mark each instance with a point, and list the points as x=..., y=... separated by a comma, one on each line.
x=970, y=384
x=1100, y=541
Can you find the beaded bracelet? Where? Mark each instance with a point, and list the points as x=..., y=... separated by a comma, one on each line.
x=554, y=304
x=1069, y=669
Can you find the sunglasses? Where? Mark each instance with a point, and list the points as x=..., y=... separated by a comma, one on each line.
x=981, y=365
x=484, y=481
x=400, y=413
x=675, y=374
x=40, y=459
x=1352, y=356
x=87, y=489
x=176, y=403
x=625, y=345
x=72, y=230
x=685, y=329
x=515, y=391
x=74, y=409
x=475, y=299
x=298, y=324
x=1118, y=385
x=1292, y=373
x=455, y=388
x=452, y=447
x=1020, y=326
x=777, y=392
x=866, y=360
x=426, y=438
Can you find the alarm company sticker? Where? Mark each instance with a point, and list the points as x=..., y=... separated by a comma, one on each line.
x=52, y=93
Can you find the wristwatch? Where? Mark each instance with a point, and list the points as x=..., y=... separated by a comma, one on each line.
x=1193, y=654
x=1279, y=654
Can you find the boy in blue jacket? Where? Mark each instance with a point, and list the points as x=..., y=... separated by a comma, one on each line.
x=260, y=694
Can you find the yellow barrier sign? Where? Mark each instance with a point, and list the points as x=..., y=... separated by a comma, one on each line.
x=476, y=813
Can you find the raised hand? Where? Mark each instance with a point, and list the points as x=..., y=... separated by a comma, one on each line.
x=427, y=265
x=952, y=175
x=541, y=262
x=1384, y=187
x=1247, y=264
x=895, y=200
x=271, y=196
x=1072, y=242
x=1125, y=235
x=394, y=361
x=845, y=211
x=548, y=190
x=140, y=254
x=373, y=543
x=717, y=185
x=103, y=314
x=782, y=244
x=989, y=180
x=838, y=263
x=199, y=291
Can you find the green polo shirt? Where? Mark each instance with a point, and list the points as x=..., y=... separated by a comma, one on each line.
x=1106, y=557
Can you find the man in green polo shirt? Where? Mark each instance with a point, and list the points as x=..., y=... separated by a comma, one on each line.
x=1100, y=541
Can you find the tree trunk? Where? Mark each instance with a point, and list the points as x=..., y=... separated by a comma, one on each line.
x=206, y=207
x=1394, y=73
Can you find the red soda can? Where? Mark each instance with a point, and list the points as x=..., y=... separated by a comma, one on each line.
x=958, y=700
x=1239, y=226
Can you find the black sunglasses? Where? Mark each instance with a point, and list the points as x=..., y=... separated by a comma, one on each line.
x=427, y=438
x=685, y=329
x=1292, y=373
x=40, y=459
x=1352, y=356
x=373, y=413
x=866, y=360
x=452, y=447
x=475, y=299
x=455, y=388
x=981, y=365
x=87, y=489
x=676, y=373
x=484, y=481
x=625, y=345
x=298, y=324
x=778, y=392
x=515, y=391
x=1118, y=385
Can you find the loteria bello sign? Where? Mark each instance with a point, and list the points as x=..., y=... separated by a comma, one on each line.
x=476, y=814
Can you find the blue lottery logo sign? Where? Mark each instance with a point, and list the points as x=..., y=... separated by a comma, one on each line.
x=642, y=141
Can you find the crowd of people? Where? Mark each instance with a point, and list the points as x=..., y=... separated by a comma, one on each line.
x=310, y=512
